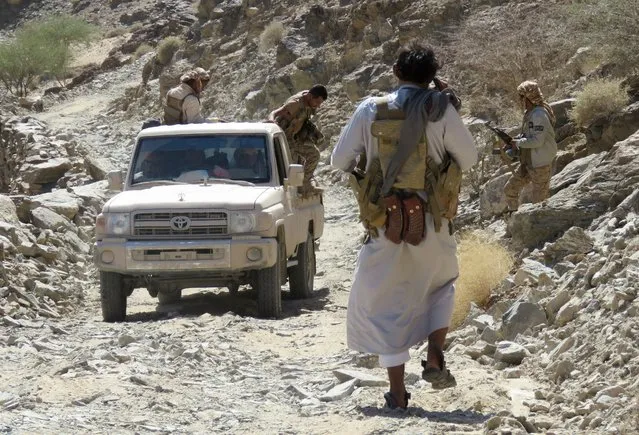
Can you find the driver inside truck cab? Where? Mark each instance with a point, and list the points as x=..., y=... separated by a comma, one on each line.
x=250, y=158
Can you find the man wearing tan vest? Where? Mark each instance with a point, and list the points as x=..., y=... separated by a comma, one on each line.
x=182, y=103
x=537, y=147
x=294, y=118
x=403, y=288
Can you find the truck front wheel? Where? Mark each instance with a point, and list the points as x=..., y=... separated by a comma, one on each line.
x=269, y=289
x=113, y=296
x=168, y=298
x=302, y=275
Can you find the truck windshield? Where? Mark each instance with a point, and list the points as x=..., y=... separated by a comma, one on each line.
x=190, y=159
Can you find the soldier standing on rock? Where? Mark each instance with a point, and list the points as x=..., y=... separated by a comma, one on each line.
x=403, y=291
x=182, y=103
x=537, y=147
x=294, y=118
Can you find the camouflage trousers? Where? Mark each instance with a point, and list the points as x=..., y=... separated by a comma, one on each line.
x=540, y=178
x=307, y=154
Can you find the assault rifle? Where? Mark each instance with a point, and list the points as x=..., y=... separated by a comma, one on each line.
x=508, y=150
x=505, y=137
x=309, y=132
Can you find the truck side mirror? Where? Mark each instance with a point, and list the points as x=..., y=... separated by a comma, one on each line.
x=295, y=175
x=115, y=180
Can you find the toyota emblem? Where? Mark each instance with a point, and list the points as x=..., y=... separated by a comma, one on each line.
x=180, y=223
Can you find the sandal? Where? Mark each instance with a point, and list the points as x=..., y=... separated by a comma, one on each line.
x=439, y=378
x=391, y=401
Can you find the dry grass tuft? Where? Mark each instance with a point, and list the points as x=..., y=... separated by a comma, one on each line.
x=167, y=48
x=483, y=265
x=142, y=50
x=598, y=98
x=271, y=35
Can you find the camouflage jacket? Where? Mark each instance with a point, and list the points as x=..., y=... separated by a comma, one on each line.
x=299, y=113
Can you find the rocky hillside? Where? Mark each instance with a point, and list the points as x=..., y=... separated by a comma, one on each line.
x=553, y=351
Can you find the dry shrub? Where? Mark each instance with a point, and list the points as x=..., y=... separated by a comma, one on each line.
x=142, y=49
x=271, y=35
x=601, y=97
x=610, y=26
x=167, y=48
x=496, y=49
x=483, y=265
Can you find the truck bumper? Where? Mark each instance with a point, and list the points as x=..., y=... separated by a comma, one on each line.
x=145, y=257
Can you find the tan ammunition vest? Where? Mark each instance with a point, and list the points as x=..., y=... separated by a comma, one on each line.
x=442, y=182
x=173, y=113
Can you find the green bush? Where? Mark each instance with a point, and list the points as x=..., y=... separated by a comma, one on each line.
x=39, y=47
x=63, y=29
x=167, y=48
x=598, y=98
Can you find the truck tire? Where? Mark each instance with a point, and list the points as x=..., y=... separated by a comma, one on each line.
x=269, y=289
x=233, y=288
x=302, y=275
x=168, y=298
x=113, y=297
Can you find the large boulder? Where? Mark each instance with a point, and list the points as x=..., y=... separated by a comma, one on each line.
x=561, y=109
x=605, y=131
x=47, y=172
x=492, y=199
x=47, y=219
x=358, y=83
x=97, y=167
x=288, y=50
x=520, y=317
x=60, y=201
x=574, y=241
x=603, y=187
x=8, y=212
x=573, y=171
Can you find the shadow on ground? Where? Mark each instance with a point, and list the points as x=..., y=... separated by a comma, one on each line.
x=243, y=303
x=453, y=417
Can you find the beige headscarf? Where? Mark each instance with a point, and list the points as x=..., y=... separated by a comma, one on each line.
x=197, y=73
x=530, y=90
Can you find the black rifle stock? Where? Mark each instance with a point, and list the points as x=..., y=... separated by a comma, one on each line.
x=508, y=141
x=505, y=137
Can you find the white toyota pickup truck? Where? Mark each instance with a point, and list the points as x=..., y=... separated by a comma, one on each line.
x=207, y=205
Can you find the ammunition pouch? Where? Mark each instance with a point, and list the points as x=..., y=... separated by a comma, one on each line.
x=366, y=186
x=405, y=219
x=448, y=188
x=401, y=212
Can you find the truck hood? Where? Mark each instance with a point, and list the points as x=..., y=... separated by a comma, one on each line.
x=190, y=196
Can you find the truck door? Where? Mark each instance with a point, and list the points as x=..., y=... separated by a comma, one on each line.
x=282, y=158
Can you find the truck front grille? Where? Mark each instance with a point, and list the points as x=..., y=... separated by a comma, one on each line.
x=179, y=224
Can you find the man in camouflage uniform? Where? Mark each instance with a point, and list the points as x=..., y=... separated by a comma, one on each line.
x=537, y=147
x=182, y=103
x=294, y=118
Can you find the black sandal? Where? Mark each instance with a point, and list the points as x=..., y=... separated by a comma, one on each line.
x=439, y=378
x=391, y=401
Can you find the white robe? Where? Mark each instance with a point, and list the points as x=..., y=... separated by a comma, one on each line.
x=402, y=293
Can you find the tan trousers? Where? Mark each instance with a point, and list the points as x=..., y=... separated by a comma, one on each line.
x=540, y=178
x=307, y=154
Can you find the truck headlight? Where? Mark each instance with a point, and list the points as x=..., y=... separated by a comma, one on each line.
x=241, y=222
x=117, y=224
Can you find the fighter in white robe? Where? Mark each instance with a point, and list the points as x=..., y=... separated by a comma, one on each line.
x=401, y=293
